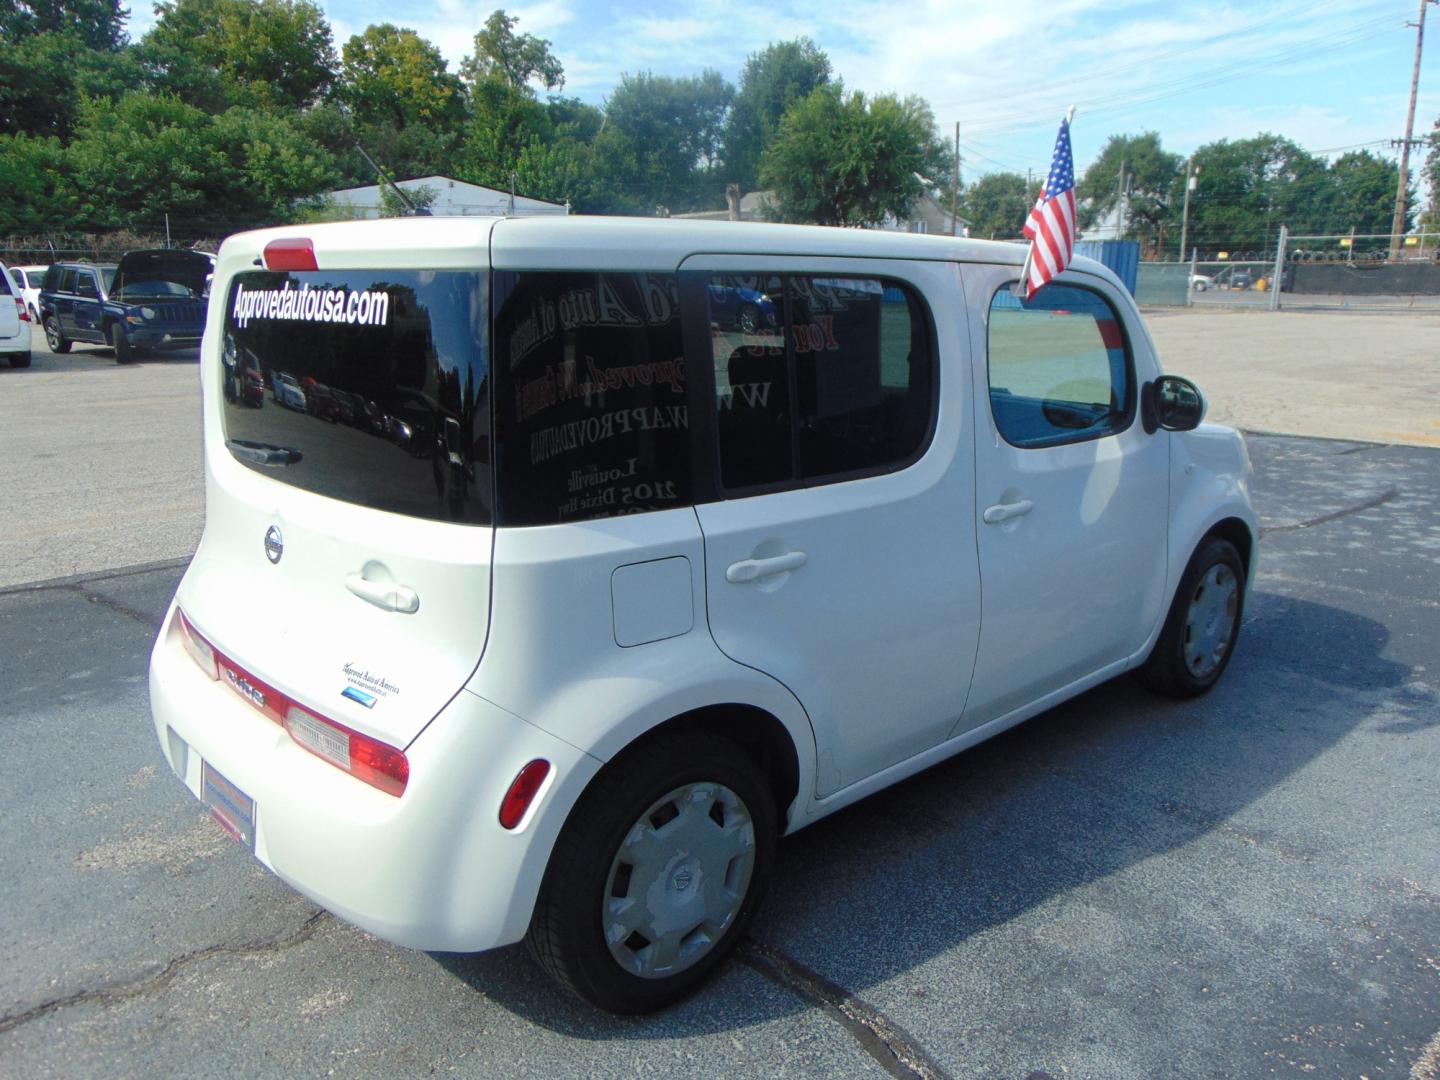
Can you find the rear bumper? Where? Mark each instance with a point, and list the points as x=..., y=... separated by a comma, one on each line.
x=432, y=869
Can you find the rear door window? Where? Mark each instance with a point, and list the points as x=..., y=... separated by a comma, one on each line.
x=370, y=386
x=818, y=378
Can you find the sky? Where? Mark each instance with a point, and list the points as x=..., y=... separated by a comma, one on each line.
x=1331, y=75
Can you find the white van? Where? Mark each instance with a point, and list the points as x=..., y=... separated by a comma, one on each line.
x=569, y=563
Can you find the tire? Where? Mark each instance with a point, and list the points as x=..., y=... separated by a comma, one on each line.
x=1203, y=625
x=120, y=342
x=34, y=315
x=688, y=815
x=57, y=341
x=20, y=359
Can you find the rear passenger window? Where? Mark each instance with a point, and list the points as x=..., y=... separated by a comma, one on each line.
x=591, y=410
x=817, y=378
x=1060, y=367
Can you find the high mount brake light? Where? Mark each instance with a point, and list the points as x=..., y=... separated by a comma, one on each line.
x=291, y=253
x=378, y=764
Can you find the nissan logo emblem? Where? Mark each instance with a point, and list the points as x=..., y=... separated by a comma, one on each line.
x=274, y=544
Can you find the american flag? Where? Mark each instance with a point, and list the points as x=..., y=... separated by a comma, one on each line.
x=1051, y=224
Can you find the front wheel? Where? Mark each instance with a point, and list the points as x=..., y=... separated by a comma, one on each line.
x=57, y=341
x=656, y=873
x=1204, y=622
x=120, y=342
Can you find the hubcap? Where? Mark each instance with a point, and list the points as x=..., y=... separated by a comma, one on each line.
x=678, y=881
x=1210, y=622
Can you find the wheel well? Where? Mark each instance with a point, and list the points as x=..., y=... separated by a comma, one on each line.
x=762, y=737
x=1238, y=533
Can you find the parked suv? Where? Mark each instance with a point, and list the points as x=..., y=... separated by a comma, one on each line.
x=644, y=586
x=149, y=301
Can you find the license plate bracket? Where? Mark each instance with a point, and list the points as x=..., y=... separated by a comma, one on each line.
x=231, y=807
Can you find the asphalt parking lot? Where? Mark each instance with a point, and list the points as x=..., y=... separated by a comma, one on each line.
x=1244, y=885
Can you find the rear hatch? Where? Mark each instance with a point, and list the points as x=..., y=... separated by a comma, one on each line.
x=9, y=311
x=347, y=546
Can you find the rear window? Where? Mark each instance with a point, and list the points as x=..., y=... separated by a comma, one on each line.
x=369, y=386
x=591, y=409
x=5, y=283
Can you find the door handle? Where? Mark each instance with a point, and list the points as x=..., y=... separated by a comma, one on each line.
x=753, y=569
x=384, y=594
x=994, y=515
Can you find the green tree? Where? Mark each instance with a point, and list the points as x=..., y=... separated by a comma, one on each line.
x=138, y=158
x=662, y=139
x=840, y=159
x=773, y=79
x=997, y=205
x=1139, y=165
x=40, y=194
x=99, y=24
x=271, y=168
x=394, y=77
x=513, y=59
x=277, y=53
x=1248, y=188
x=1362, y=194
x=503, y=121
x=44, y=78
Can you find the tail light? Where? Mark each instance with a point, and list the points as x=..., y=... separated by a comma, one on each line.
x=22, y=309
x=378, y=764
x=523, y=789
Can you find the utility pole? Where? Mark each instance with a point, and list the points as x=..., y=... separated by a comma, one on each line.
x=1190, y=174
x=955, y=189
x=1121, y=204
x=1398, y=226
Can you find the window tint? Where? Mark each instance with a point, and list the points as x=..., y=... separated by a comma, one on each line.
x=833, y=379
x=591, y=409
x=369, y=386
x=5, y=283
x=66, y=283
x=85, y=285
x=1059, y=367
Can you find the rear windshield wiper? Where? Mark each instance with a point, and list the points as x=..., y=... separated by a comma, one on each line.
x=259, y=453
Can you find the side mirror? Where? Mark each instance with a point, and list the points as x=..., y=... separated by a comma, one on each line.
x=1172, y=403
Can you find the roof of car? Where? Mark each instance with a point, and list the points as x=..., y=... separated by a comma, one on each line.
x=584, y=242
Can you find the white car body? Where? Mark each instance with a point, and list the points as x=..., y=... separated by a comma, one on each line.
x=847, y=618
x=30, y=279
x=14, y=322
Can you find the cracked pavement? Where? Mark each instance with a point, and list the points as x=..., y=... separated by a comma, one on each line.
x=1244, y=885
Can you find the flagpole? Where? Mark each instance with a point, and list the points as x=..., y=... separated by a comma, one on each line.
x=1023, y=283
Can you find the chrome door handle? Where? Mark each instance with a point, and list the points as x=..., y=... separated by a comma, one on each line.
x=384, y=594
x=754, y=569
x=994, y=515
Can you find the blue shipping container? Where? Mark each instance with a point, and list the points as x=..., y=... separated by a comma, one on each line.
x=1121, y=256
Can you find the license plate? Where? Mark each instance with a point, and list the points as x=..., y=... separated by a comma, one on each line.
x=231, y=807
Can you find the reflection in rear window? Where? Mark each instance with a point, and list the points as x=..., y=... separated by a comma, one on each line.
x=369, y=386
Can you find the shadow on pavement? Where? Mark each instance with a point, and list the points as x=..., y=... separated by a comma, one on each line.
x=1105, y=781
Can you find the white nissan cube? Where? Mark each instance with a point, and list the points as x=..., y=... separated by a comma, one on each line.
x=569, y=563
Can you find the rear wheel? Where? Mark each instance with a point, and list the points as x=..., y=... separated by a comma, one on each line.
x=120, y=342
x=20, y=359
x=656, y=874
x=57, y=341
x=1204, y=622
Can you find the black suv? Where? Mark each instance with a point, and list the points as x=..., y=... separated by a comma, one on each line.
x=150, y=300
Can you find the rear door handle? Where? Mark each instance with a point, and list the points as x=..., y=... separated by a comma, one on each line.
x=754, y=569
x=994, y=515
x=384, y=594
